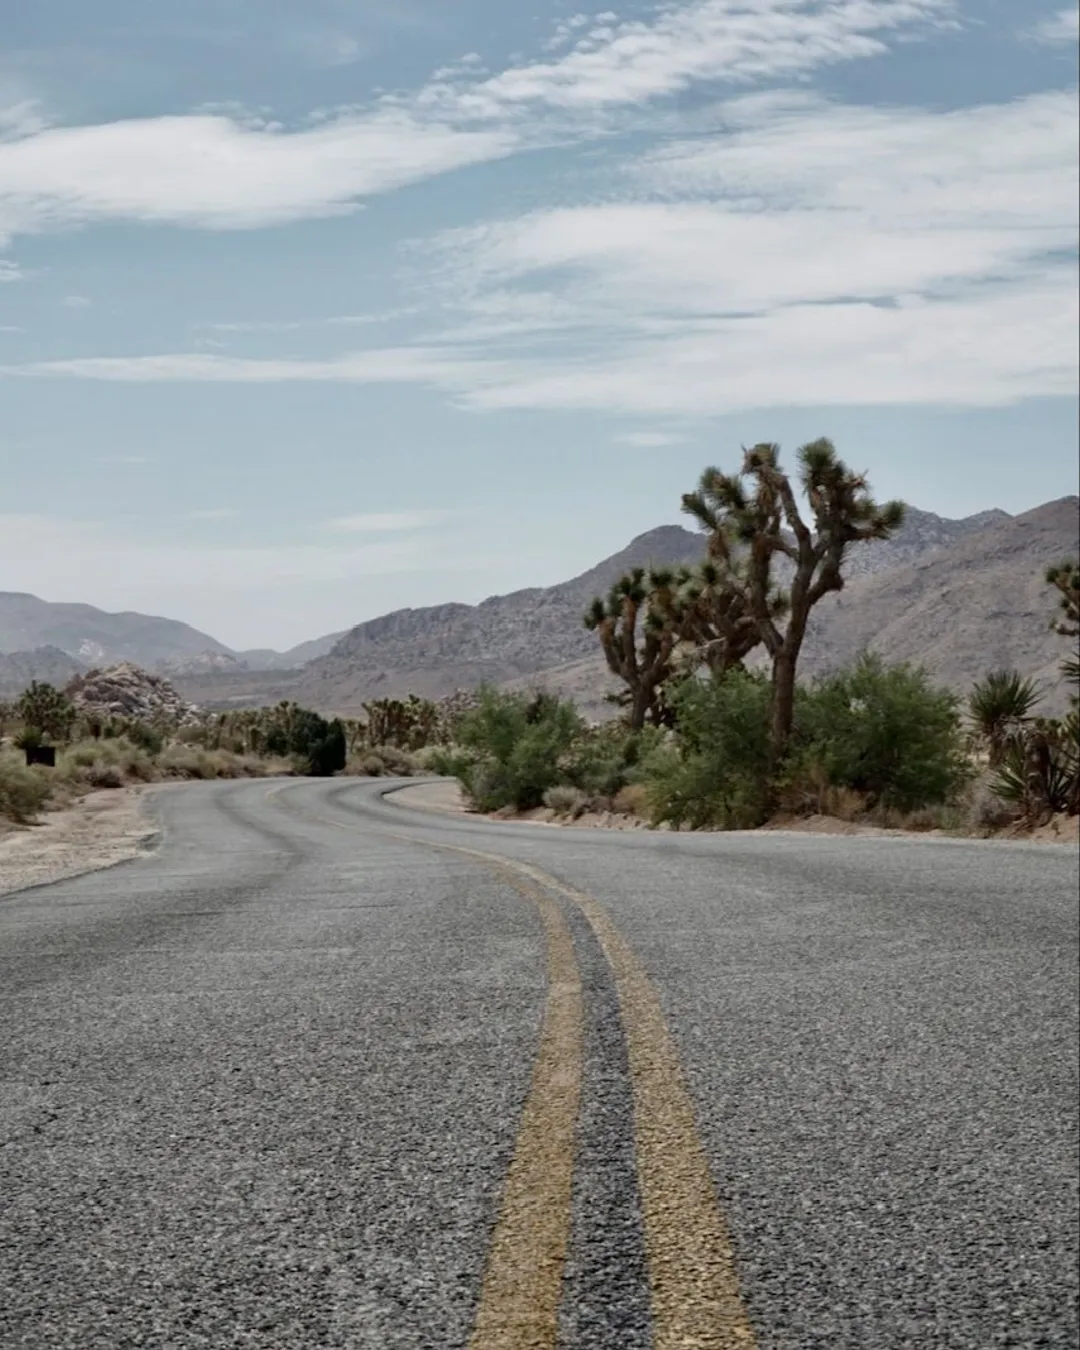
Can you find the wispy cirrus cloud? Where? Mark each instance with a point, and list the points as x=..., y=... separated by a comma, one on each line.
x=1062, y=28
x=216, y=169
x=805, y=253
x=213, y=172
x=386, y=522
x=612, y=63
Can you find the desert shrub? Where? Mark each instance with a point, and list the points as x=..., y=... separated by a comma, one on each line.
x=1038, y=773
x=603, y=760
x=328, y=755
x=632, y=800
x=98, y=763
x=103, y=776
x=984, y=810
x=22, y=791
x=145, y=737
x=881, y=731
x=565, y=800
x=512, y=748
x=714, y=771
x=382, y=761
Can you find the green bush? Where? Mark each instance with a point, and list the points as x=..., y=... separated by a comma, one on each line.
x=512, y=748
x=883, y=731
x=714, y=770
x=22, y=791
x=145, y=737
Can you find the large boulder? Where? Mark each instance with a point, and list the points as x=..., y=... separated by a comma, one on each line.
x=126, y=690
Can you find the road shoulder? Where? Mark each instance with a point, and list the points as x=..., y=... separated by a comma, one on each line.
x=99, y=830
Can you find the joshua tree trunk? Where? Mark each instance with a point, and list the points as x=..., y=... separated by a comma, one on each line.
x=782, y=709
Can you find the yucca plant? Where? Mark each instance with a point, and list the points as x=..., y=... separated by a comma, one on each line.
x=999, y=707
x=1039, y=769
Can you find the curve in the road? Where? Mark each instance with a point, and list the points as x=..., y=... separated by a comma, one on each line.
x=692, y=1271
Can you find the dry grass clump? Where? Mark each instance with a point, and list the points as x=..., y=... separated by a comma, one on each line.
x=382, y=761
x=23, y=792
x=193, y=762
x=632, y=800
x=104, y=763
x=566, y=801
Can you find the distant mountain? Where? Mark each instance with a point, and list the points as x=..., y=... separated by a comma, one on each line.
x=94, y=637
x=50, y=664
x=513, y=637
x=960, y=610
x=263, y=658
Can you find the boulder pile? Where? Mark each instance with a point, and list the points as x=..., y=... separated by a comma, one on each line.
x=126, y=690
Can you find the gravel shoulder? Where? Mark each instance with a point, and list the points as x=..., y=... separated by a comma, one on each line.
x=100, y=830
x=446, y=798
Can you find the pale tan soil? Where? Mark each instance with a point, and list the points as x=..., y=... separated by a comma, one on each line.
x=99, y=830
x=448, y=798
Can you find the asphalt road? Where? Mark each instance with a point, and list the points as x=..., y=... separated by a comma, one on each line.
x=322, y=1072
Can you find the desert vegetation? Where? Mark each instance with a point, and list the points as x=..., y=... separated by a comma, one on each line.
x=110, y=729
x=703, y=741
x=715, y=728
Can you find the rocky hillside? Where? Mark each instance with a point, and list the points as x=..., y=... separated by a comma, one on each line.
x=49, y=664
x=959, y=610
x=436, y=650
x=93, y=637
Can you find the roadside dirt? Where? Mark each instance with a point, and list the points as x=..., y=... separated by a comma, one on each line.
x=447, y=798
x=101, y=829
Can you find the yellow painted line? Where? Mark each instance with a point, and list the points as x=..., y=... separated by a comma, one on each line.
x=519, y=1299
x=522, y=1285
x=693, y=1277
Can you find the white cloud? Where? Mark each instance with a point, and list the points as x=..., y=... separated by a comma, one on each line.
x=76, y=302
x=824, y=255
x=803, y=201
x=1060, y=28
x=613, y=64
x=386, y=522
x=647, y=440
x=9, y=271
x=215, y=172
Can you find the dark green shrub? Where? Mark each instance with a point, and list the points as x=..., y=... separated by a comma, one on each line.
x=513, y=747
x=145, y=737
x=883, y=731
x=714, y=770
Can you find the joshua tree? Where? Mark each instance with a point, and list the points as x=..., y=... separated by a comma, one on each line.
x=1065, y=577
x=44, y=710
x=750, y=523
x=1000, y=707
x=716, y=617
x=638, y=627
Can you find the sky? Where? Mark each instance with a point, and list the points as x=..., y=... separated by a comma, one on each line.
x=311, y=311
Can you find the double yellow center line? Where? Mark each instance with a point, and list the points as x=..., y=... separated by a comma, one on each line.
x=693, y=1281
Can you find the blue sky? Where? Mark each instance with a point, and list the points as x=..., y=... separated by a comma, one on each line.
x=312, y=311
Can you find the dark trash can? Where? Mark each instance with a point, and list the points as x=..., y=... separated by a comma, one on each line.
x=41, y=754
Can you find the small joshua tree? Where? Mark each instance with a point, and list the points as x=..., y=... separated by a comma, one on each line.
x=45, y=713
x=637, y=630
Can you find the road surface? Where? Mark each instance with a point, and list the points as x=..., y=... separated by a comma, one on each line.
x=322, y=1072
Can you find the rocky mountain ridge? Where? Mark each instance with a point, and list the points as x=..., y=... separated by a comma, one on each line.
x=513, y=637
